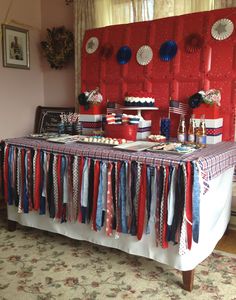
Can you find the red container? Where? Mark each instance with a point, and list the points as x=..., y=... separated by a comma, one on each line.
x=210, y=111
x=94, y=109
x=122, y=131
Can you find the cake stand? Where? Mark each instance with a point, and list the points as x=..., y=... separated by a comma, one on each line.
x=138, y=108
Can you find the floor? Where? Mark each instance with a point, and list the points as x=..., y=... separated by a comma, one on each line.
x=228, y=242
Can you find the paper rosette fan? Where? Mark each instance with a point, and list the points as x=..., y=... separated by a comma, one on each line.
x=106, y=51
x=124, y=55
x=92, y=45
x=222, y=29
x=144, y=55
x=168, y=50
x=193, y=42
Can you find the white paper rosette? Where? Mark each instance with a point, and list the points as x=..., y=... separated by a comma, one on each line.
x=222, y=29
x=92, y=45
x=144, y=55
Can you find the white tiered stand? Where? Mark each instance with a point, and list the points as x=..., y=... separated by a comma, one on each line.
x=139, y=109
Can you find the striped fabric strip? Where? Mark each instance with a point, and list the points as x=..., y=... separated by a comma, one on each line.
x=55, y=188
x=18, y=176
x=183, y=246
x=109, y=208
x=75, y=188
x=142, y=202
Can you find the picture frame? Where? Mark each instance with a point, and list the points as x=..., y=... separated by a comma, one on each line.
x=47, y=118
x=15, y=47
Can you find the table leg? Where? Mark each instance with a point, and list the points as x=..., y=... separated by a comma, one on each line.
x=188, y=277
x=11, y=225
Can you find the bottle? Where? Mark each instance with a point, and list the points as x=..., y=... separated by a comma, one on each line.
x=191, y=130
x=181, y=136
x=201, y=132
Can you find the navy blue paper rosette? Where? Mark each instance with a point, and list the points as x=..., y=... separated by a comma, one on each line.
x=106, y=51
x=124, y=55
x=168, y=50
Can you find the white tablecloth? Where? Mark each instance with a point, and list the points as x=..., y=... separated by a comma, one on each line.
x=215, y=208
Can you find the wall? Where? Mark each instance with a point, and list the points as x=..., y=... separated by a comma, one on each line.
x=21, y=90
x=59, y=87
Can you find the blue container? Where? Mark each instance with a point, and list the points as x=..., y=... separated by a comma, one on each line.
x=165, y=127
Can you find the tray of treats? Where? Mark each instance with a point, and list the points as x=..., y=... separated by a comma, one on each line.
x=156, y=138
x=100, y=140
x=46, y=135
x=174, y=148
x=64, y=139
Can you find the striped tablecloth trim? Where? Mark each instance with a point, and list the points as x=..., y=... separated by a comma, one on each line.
x=213, y=160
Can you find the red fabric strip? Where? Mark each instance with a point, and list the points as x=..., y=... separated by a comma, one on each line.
x=118, y=225
x=59, y=184
x=22, y=176
x=95, y=193
x=29, y=179
x=37, y=181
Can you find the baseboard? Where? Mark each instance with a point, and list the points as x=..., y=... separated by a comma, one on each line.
x=232, y=222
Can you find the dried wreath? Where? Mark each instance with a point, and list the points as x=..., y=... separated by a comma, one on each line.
x=58, y=47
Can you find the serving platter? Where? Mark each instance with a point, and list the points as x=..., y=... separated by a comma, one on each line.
x=136, y=146
x=102, y=141
x=64, y=139
x=45, y=136
x=174, y=148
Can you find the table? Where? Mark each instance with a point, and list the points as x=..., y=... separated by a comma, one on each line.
x=215, y=165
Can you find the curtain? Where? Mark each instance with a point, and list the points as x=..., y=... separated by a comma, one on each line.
x=224, y=3
x=98, y=13
x=84, y=19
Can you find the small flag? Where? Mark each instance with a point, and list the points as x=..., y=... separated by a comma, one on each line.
x=112, y=110
x=177, y=107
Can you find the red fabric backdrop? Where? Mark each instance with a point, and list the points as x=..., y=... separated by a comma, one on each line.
x=214, y=66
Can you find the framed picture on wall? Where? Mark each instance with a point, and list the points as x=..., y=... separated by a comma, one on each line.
x=15, y=46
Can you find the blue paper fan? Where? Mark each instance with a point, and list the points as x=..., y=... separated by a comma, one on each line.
x=168, y=50
x=123, y=55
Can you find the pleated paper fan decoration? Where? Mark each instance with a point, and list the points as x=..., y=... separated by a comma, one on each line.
x=144, y=55
x=222, y=29
x=92, y=45
x=124, y=55
x=168, y=50
x=106, y=51
x=193, y=43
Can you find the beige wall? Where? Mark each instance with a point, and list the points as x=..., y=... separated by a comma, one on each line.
x=59, y=87
x=21, y=91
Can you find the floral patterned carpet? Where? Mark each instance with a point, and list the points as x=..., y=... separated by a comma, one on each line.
x=40, y=265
